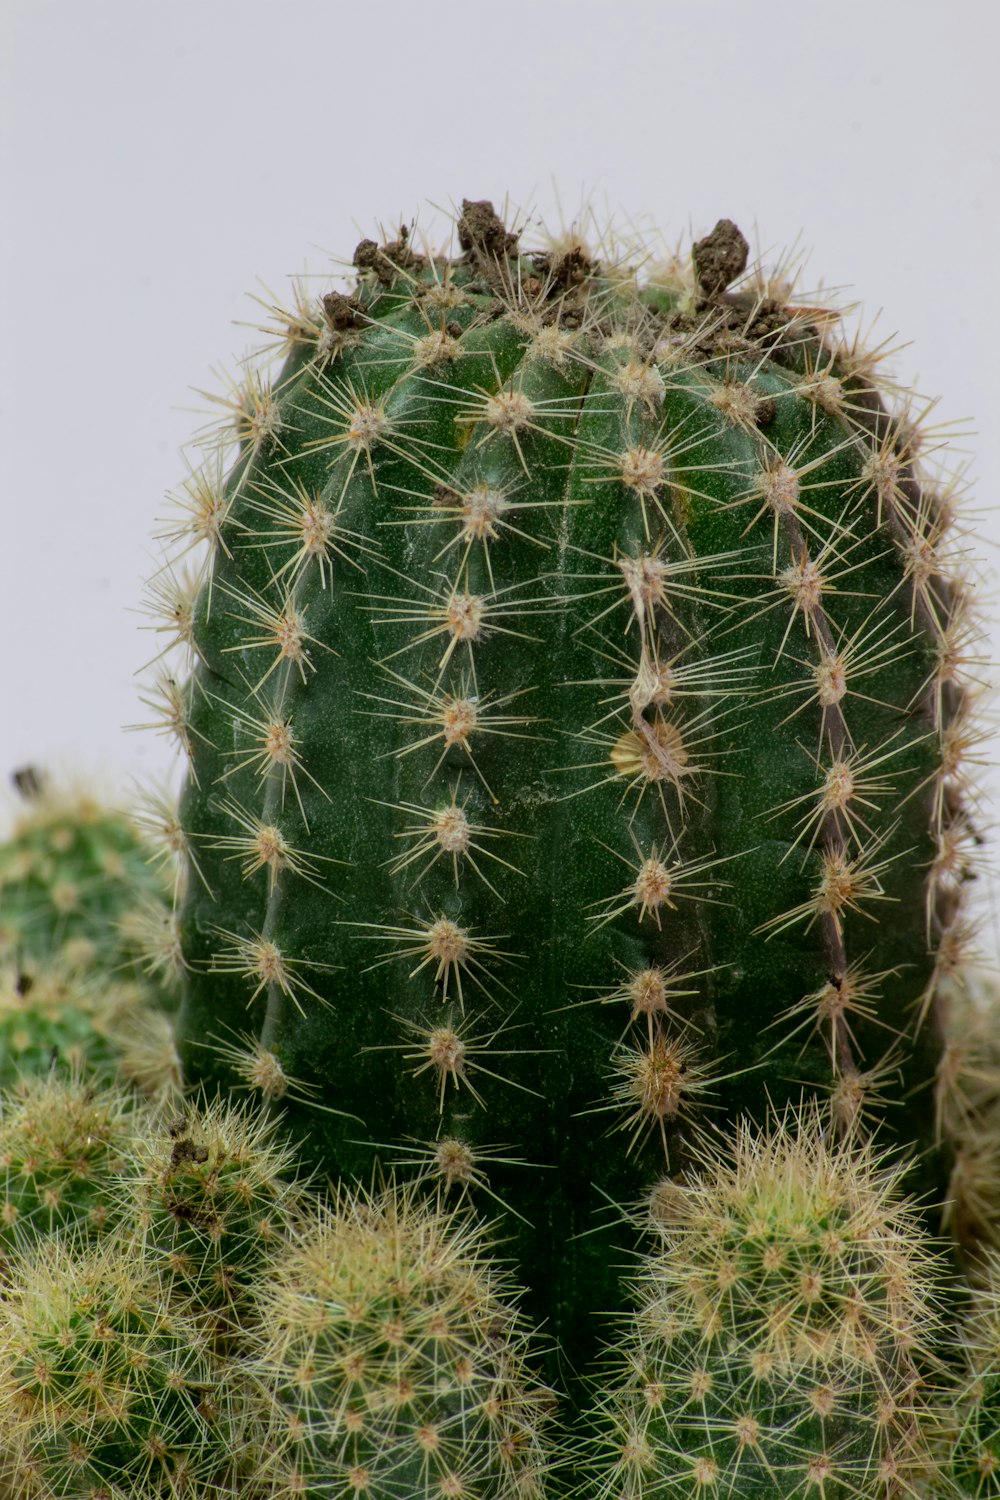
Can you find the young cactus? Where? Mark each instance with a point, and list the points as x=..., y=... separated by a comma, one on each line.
x=781, y=1343
x=105, y=1393
x=79, y=883
x=578, y=739
x=212, y=1197
x=63, y=1144
x=82, y=1022
x=398, y=1360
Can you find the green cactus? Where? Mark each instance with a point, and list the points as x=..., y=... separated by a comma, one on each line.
x=105, y=1393
x=975, y=1453
x=63, y=1144
x=398, y=1361
x=578, y=738
x=81, y=883
x=783, y=1340
x=212, y=1197
x=81, y=1021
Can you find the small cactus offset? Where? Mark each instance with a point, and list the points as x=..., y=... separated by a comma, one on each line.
x=398, y=1361
x=210, y=1195
x=79, y=883
x=784, y=1339
x=54, y=1016
x=577, y=734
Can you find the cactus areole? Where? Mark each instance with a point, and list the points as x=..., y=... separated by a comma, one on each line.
x=576, y=734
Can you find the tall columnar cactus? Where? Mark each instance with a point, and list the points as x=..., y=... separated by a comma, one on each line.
x=577, y=735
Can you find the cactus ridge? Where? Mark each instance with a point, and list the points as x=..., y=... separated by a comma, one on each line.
x=579, y=738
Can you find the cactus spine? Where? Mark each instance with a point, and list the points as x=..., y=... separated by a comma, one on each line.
x=577, y=735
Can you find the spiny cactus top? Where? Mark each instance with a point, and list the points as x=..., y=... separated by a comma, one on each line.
x=577, y=734
x=398, y=1361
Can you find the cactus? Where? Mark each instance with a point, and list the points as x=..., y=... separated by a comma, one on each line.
x=975, y=1451
x=398, y=1361
x=63, y=1143
x=212, y=1198
x=784, y=1334
x=83, y=1022
x=104, y=1392
x=578, y=737
x=79, y=882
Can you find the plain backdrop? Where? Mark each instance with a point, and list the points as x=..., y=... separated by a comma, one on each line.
x=160, y=161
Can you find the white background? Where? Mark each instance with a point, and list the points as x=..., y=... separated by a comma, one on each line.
x=159, y=158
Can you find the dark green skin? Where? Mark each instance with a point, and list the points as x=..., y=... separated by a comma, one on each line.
x=563, y=1164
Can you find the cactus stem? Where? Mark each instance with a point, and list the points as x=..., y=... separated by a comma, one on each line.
x=301, y=518
x=360, y=423
x=452, y=611
x=842, y=885
x=166, y=698
x=254, y=418
x=450, y=1164
x=452, y=1055
x=851, y=992
x=868, y=649
x=276, y=751
x=845, y=781
x=204, y=508
x=284, y=632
